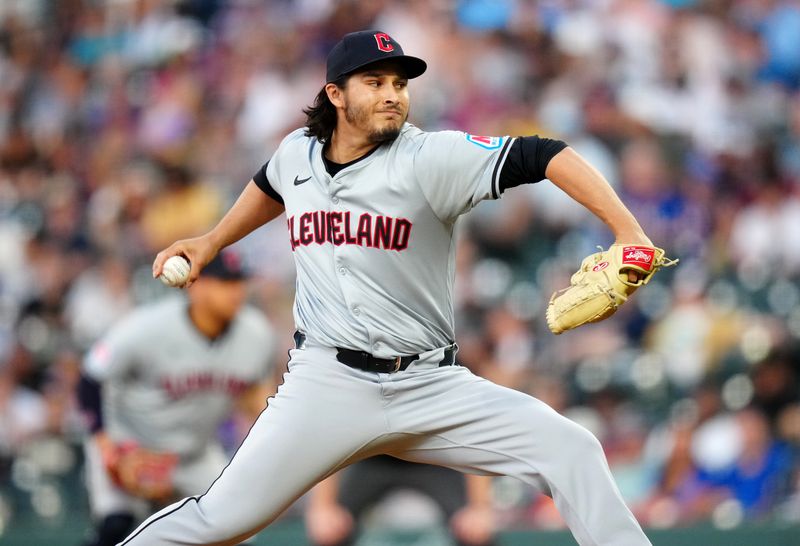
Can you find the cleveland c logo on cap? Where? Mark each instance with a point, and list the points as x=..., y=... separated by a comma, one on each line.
x=232, y=260
x=384, y=41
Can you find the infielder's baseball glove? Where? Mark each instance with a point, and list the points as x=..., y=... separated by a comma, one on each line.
x=601, y=285
x=143, y=473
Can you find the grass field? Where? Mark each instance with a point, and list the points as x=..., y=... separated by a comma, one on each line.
x=290, y=533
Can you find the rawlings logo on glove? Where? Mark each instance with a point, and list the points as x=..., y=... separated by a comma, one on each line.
x=602, y=284
x=639, y=256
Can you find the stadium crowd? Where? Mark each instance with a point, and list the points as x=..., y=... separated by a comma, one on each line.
x=127, y=124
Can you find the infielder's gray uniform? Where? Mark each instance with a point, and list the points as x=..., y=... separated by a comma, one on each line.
x=374, y=251
x=168, y=388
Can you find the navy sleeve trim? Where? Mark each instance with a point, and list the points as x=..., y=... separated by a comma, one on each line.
x=498, y=168
x=527, y=161
x=261, y=180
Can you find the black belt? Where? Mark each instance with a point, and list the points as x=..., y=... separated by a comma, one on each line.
x=365, y=361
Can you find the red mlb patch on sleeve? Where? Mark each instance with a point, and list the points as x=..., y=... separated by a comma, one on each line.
x=488, y=142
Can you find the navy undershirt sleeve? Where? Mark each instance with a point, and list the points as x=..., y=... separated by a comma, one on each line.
x=527, y=160
x=260, y=178
x=89, y=400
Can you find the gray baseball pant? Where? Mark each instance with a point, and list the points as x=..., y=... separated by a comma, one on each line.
x=327, y=415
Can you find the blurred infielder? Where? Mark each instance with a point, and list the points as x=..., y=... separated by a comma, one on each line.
x=157, y=388
x=371, y=204
x=337, y=504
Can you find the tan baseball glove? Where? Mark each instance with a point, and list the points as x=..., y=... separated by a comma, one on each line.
x=602, y=284
x=143, y=473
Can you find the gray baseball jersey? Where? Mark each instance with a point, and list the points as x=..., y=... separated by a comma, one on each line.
x=372, y=221
x=168, y=387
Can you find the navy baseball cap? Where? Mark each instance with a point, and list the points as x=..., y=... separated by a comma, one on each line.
x=226, y=266
x=358, y=49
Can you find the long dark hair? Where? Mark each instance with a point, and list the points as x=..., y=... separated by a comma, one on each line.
x=321, y=116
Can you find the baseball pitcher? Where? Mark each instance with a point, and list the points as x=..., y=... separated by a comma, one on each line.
x=371, y=204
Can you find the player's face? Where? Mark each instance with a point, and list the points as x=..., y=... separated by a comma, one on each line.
x=224, y=298
x=376, y=102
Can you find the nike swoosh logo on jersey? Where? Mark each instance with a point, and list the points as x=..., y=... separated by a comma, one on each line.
x=298, y=181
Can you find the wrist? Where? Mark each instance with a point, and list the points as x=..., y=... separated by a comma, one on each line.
x=627, y=230
x=636, y=237
x=103, y=441
x=215, y=241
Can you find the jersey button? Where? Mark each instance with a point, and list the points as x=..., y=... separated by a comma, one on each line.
x=335, y=200
x=356, y=311
x=343, y=271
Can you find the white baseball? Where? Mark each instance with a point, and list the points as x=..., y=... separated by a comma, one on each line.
x=175, y=271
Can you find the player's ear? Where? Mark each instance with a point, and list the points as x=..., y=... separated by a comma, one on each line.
x=335, y=94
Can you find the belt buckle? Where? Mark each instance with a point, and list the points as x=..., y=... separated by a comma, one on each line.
x=398, y=361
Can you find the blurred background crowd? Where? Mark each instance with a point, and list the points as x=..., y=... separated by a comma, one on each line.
x=127, y=124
